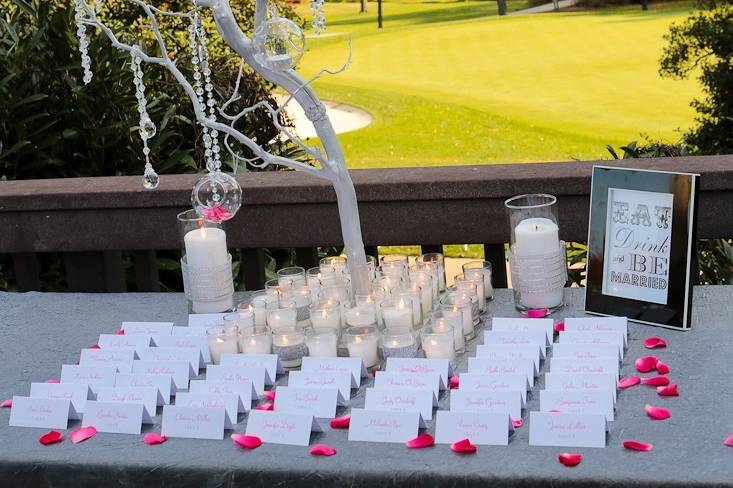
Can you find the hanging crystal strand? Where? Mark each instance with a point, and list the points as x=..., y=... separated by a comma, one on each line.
x=147, y=130
x=319, y=16
x=81, y=32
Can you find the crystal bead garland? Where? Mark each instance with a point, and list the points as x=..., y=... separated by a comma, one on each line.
x=319, y=16
x=81, y=32
x=151, y=180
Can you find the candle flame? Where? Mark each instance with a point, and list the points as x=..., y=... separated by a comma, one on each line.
x=357, y=340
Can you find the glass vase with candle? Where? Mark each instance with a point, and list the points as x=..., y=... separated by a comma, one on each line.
x=397, y=313
x=206, y=264
x=222, y=339
x=294, y=275
x=276, y=286
x=322, y=342
x=536, y=254
x=458, y=302
x=300, y=299
x=361, y=314
x=411, y=294
x=289, y=345
x=258, y=302
x=336, y=262
x=427, y=273
x=362, y=342
x=438, y=341
x=279, y=316
x=241, y=319
x=434, y=259
x=387, y=280
x=483, y=269
x=255, y=340
x=440, y=318
x=472, y=286
x=399, y=343
x=326, y=314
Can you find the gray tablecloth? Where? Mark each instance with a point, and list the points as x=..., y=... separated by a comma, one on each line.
x=41, y=331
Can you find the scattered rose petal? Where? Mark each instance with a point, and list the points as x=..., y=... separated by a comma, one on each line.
x=53, y=380
x=270, y=395
x=423, y=440
x=657, y=413
x=7, y=403
x=646, y=363
x=662, y=368
x=628, y=382
x=669, y=390
x=322, y=450
x=569, y=459
x=341, y=422
x=51, y=437
x=559, y=327
x=654, y=342
x=638, y=445
x=82, y=434
x=554, y=410
x=537, y=313
x=247, y=441
x=463, y=446
x=94, y=346
x=454, y=381
x=121, y=332
x=151, y=438
x=656, y=381
x=266, y=406
x=517, y=423
x=729, y=441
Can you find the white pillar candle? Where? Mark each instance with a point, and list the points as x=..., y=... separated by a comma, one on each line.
x=398, y=316
x=322, y=344
x=364, y=347
x=206, y=247
x=537, y=237
x=222, y=344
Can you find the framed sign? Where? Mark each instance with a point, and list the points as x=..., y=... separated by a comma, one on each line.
x=641, y=245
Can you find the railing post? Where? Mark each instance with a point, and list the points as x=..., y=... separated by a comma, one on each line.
x=27, y=271
x=146, y=271
x=494, y=253
x=253, y=268
x=426, y=248
x=306, y=257
x=95, y=271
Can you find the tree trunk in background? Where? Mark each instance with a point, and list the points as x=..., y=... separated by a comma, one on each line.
x=501, y=4
x=363, y=6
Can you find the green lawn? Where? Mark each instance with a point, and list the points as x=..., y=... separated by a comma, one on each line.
x=453, y=83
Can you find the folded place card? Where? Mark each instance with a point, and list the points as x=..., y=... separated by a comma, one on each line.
x=293, y=429
x=578, y=401
x=192, y=342
x=186, y=331
x=237, y=375
x=509, y=401
x=148, y=396
x=517, y=338
x=577, y=337
x=180, y=371
x=309, y=379
x=119, y=358
x=585, y=351
x=148, y=328
x=503, y=366
x=608, y=365
x=271, y=363
x=319, y=402
x=384, y=425
x=524, y=324
x=599, y=324
x=419, y=365
x=231, y=403
x=567, y=429
x=133, y=341
x=191, y=355
x=401, y=400
x=46, y=413
x=245, y=391
x=205, y=320
x=77, y=393
x=495, y=382
x=90, y=375
x=193, y=422
x=335, y=365
x=481, y=428
x=504, y=351
x=163, y=383
x=412, y=381
x=581, y=381
x=117, y=418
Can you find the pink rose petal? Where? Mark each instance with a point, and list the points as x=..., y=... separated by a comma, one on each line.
x=628, y=382
x=270, y=395
x=656, y=381
x=454, y=382
x=121, y=332
x=247, y=441
x=657, y=413
x=463, y=446
x=322, y=450
x=7, y=403
x=729, y=441
x=669, y=390
x=94, y=346
x=216, y=213
x=422, y=440
x=654, y=342
x=638, y=445
x=646, y=363
x=51, y=437
x=341, y=422
x=569, y=459
x=559, y=327
x=82, y=434
x=53, y=380
x=662, y=368
x=152, y=439
x=537, y=313
x=265, y=406
x=517, y=423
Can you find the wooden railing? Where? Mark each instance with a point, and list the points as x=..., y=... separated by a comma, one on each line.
x=93, y=220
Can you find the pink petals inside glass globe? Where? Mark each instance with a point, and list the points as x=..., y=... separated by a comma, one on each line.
x=216, y=196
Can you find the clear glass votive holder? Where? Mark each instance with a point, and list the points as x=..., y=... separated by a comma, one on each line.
x=322, y=342
x=339, y=293
x=326, y=314
x=361, y=314
x=279, y=316
x=435, y=259
x=457, y=302
x=412, y=294
x=258, y=303
x=241, y=319
x=294, y=275
x=427, y=273
x=255, y=340
x=394, y=264
x=438, y=342
x=387, y=281
x=276, y=286
x=397, y=313
x=362, y=342
x=289, y=345
x=338, y=263
x=473, y=269
x=440, y=318
x=472, y=286
x=399, y=343
x=222, y=339
x=301, y=299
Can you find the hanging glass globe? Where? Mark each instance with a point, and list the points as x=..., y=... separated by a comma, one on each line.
x=280, y=43
x=216, y=196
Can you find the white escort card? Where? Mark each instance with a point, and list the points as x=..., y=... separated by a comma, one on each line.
x=204, y=320
x=179, y=370
x=384, y=425
x=517, y=338
x=193, y=422
x=318, y=402
x=237, y=375
x=607, y=365
x=412, y=381
x=271, y=363
x=46, y=413
x=309, y=379
x=495, y=382
x=133, y=341
x=419, y=365
x=496, y=401
x=599, y=324
x=567, y=429
x=245, y=391
x=148, y=396
x=119, y=358
x=481, y=428
x=191, y=355
x=503, y=351
x=282, y=428
x=77, y=393
x=334, y=365
x=116, y=418
x=148, y=328
x=193, y=342
x=89, y=375
x=585, y=351
x=230, y=403
x=163, y=383
x=580, y=381
x=401, y=400
x=578, y=401
x=503, y=366
x=590, y=338
x=523, y=325
x=186, y=331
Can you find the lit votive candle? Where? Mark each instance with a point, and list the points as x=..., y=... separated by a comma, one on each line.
x=441, y=318
x=458, y=303
x=399, y=344
x=435, y=260
x=289, y=345
x=397, y=314
x=278, y=317
x=293, y=275
x=241, y=319
x=255, y=340
x=361, y=315
x=412, y=295
x=463, y=281
x=362, y=343
x=326, y=314
x=221, y=340
x=480, y=268
x=322, y=342
x=438, y=342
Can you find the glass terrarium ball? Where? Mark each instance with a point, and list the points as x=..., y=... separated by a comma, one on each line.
x=282, y=44
x=217, y=196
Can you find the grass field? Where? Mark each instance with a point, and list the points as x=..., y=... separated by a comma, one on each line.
x=453, y=83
